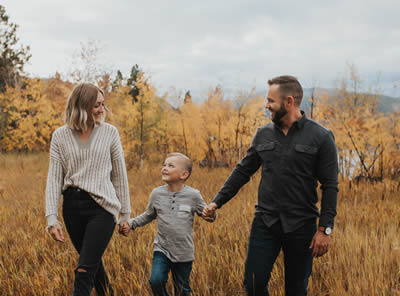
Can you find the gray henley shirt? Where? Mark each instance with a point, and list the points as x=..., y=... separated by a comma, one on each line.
x=174, y=212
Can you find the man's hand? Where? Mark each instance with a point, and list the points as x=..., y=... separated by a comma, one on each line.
x=210, y=211
x=320, y=244
x=57, y=233
x=124, y=229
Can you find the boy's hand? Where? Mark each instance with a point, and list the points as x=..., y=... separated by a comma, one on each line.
x=210, y=211
x=209, y=219
x=124, y=229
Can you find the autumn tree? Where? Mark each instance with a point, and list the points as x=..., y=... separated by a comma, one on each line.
x=216, y=112
x=186, y=127
x=30, y=118
x=57, y=91
x=140, y=119
x=248, y=113
x=354, y=118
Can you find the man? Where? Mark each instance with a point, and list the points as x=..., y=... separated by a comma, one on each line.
x=294, y=153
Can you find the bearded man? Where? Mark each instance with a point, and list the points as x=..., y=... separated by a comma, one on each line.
x=295, y=153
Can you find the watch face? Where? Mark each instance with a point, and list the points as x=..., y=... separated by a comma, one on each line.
x=328, y=230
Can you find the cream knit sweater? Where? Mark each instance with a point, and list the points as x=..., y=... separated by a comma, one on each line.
x=96, y=165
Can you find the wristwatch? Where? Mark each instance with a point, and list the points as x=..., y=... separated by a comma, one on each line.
x=326, y=230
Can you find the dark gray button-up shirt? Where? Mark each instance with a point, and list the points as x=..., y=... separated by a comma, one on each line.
x=291, y=165
x=174, y=212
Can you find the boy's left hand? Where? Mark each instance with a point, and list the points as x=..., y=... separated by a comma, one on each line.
x=124, y=229
x=209, y=217
x=210, y=212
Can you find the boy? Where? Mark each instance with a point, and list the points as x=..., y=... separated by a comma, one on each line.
x=174, y=206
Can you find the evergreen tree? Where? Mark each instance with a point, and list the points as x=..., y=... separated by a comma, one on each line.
x=12, y=57
x=132, y=81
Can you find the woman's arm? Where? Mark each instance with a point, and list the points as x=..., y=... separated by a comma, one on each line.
x=55, y=180
x=119, y=177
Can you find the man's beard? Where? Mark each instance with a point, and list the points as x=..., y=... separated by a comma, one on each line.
x=279, y=114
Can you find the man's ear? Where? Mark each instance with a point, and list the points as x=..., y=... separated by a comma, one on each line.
x=290, y=101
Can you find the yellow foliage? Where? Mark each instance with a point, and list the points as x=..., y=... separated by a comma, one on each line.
x=217, y=131
x=30, y=118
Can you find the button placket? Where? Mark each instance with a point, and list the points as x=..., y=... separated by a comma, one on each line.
x=173, y=201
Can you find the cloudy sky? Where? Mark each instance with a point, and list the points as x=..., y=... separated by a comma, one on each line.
x=194, y=45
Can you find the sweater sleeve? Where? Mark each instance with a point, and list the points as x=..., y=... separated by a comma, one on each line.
x=55, y=179
x=119, y=177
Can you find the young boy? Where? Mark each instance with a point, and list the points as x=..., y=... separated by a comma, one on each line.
x=174, y=206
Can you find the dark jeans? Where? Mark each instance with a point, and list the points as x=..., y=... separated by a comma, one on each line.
x=159, y=275
x=90, y=228
x=265, y=244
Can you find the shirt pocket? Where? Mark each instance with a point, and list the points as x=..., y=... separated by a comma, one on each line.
x=305, y=157
x=184, y=211
x=310, y=150
x=266, y=151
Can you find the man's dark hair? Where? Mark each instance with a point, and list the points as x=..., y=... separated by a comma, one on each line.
x=288, y=86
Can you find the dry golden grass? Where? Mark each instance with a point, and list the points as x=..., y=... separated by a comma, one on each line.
x=364, y=258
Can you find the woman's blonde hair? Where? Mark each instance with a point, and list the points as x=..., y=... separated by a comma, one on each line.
x=78, y=111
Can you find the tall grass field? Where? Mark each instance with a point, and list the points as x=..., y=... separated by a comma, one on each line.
x=364, y=258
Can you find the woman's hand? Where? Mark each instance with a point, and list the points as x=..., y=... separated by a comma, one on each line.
x=124, y=229
x=57, y=233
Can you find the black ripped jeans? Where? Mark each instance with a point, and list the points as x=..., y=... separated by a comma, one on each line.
x=90, y=228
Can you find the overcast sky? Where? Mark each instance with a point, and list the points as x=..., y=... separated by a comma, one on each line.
x=194, y=45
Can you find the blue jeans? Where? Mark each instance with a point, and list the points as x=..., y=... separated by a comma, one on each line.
x=159, y=275
x=265, y=244
x=90, y=228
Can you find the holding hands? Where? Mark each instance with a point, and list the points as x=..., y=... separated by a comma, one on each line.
x=210, y=212
x=124, y=228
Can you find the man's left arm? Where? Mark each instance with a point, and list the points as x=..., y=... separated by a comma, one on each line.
x=327, y=174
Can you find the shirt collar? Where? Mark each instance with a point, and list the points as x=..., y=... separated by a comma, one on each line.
x=301, y=121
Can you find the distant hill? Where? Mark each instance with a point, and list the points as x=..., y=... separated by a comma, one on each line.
x=386, y=103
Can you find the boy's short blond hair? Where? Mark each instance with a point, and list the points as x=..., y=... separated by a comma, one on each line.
x=185, y=160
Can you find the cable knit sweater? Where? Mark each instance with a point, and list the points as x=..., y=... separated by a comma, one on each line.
x=96, y=165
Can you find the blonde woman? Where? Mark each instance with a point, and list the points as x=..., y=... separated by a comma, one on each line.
x=87, y=167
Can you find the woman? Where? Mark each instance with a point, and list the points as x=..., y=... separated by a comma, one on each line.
x=87, y=166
